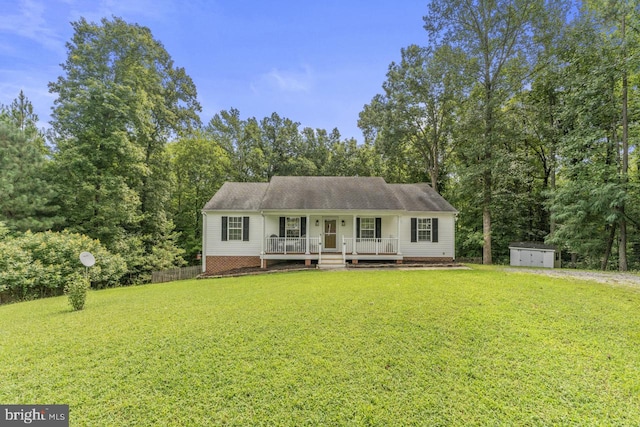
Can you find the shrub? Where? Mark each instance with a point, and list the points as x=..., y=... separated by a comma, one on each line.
x=76, y=290
x=35, y=265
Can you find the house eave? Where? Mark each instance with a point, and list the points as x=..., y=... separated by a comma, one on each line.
x=329, y=212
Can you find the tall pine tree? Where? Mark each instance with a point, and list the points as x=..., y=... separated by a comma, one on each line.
x=26, y=201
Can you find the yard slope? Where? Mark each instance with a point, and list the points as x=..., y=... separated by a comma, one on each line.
x=459, y=347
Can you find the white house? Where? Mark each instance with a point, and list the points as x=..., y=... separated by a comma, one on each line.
x=325, y=220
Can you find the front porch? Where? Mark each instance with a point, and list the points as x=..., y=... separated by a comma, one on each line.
x=309, y=237
x=353, y=250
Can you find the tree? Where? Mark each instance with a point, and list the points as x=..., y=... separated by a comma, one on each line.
x=280, y=144
x=586, y=201
x=615, y=16
x=412, y=122
x=200, y=167
x=240, y=139
x=20, y=114
x=119, y=102
x=497, y=38
x=347, y=158
x=26, y=202
x=316, y=149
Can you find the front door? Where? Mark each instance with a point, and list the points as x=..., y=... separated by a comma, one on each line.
x=330, y=233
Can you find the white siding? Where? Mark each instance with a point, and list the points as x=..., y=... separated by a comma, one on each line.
x=445, y=247
x=272, y=224
x=346, y=230
x=214, y=244
x=315, y=231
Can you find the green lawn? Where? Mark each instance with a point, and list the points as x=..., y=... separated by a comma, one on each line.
x=442, y=347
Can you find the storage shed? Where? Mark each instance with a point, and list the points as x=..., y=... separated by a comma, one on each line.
x=533, y=254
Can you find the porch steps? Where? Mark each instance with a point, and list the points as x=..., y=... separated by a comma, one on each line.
x=331, y=261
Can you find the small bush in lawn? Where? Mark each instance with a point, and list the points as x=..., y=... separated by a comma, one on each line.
x=76, y=289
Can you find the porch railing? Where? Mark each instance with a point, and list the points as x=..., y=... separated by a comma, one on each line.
x=291, y=245
x=298, y=245
x=384, y=245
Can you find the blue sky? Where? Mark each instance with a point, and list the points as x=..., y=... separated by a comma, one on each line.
x=315, y=62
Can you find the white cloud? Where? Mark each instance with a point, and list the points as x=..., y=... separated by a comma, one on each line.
x=287, y=81
x=94, y=11
x=29, y=22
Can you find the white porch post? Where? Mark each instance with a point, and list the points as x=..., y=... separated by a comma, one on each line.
x=264, y=237
x=398, y=234
x=306, y=233
x=204, y=241
x=353, y=250
x=344, y=250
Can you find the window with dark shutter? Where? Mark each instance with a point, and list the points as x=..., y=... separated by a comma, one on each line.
x=424, y=229
x=358, y=228
x=303, y=226
x=368, y=228
x=281, y=230
x=224, y=229
x=234, y=226
x=245, y=229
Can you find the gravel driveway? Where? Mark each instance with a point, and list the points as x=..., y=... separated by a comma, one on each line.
x=612, y=278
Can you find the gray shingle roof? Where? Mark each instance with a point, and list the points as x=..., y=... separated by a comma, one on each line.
x=238, y=196
x=531, y=245
x=327, y=193
x=420, y=197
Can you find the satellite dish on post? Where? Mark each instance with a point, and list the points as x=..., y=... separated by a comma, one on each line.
x=87, y=259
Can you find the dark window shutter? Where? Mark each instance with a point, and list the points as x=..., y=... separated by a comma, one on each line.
x=245, y=229
x=378, y=228
x=358, y=228
x=282, y=222
x=224, y=228
x=434, y=229
x=414, y=229
x=303, y=226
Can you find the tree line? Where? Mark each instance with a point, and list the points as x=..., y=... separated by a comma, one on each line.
x=522, y=113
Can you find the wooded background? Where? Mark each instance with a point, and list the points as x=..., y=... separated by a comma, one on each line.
x=522, y=113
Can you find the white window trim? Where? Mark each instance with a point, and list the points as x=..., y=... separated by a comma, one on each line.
x=424, y=225
x=363, y=228
x=230, y=220
x=288, y=228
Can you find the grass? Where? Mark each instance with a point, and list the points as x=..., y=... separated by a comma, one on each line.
x=456, y=347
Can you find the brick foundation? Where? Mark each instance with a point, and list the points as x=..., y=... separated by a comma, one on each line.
x=430, y=260
x=219, y=264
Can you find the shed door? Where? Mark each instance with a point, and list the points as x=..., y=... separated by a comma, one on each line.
x=537, y=259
